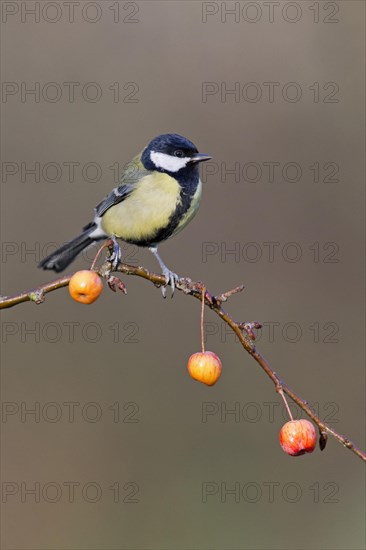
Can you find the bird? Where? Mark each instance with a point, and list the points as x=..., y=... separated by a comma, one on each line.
x=158, y=194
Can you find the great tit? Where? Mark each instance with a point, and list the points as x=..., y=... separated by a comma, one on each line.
x=157, y=196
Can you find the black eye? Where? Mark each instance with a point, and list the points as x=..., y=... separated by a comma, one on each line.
x=179, y=153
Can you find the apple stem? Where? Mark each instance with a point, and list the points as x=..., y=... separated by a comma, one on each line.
x=104, y=245
x=202, y=317
x=280, y=391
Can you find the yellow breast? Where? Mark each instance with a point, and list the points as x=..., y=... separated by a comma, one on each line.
x=146, y=210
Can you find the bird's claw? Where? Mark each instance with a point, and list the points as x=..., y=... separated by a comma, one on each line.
x=116, y=254
x=170, y=278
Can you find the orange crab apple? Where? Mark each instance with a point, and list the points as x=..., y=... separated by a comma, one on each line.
x=85, y=286
x=205, y=367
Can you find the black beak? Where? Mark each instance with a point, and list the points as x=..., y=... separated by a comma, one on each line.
x=200, y=157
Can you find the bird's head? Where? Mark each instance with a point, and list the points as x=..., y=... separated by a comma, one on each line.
x=171, y=153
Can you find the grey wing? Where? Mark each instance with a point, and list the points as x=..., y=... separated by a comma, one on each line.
x=130, y=176
x=118, y=194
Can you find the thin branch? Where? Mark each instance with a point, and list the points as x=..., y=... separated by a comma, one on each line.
x=241, y=329
x=36, y=295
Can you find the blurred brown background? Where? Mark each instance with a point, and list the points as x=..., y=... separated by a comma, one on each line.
x=124, y=450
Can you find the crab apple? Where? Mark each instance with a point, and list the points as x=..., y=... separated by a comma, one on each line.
x=205, y=367
x=298, y=437
x=85, y=286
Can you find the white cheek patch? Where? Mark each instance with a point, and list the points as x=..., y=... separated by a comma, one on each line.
x=167, y=162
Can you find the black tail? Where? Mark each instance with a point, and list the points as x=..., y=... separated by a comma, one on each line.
x=62, y=257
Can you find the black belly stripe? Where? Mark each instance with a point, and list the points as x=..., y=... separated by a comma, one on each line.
x=188, y=180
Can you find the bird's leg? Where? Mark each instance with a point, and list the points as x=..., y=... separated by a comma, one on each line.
x=116, y=254
x=170, y=276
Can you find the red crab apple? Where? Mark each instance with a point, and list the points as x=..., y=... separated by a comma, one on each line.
x=298, y=437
